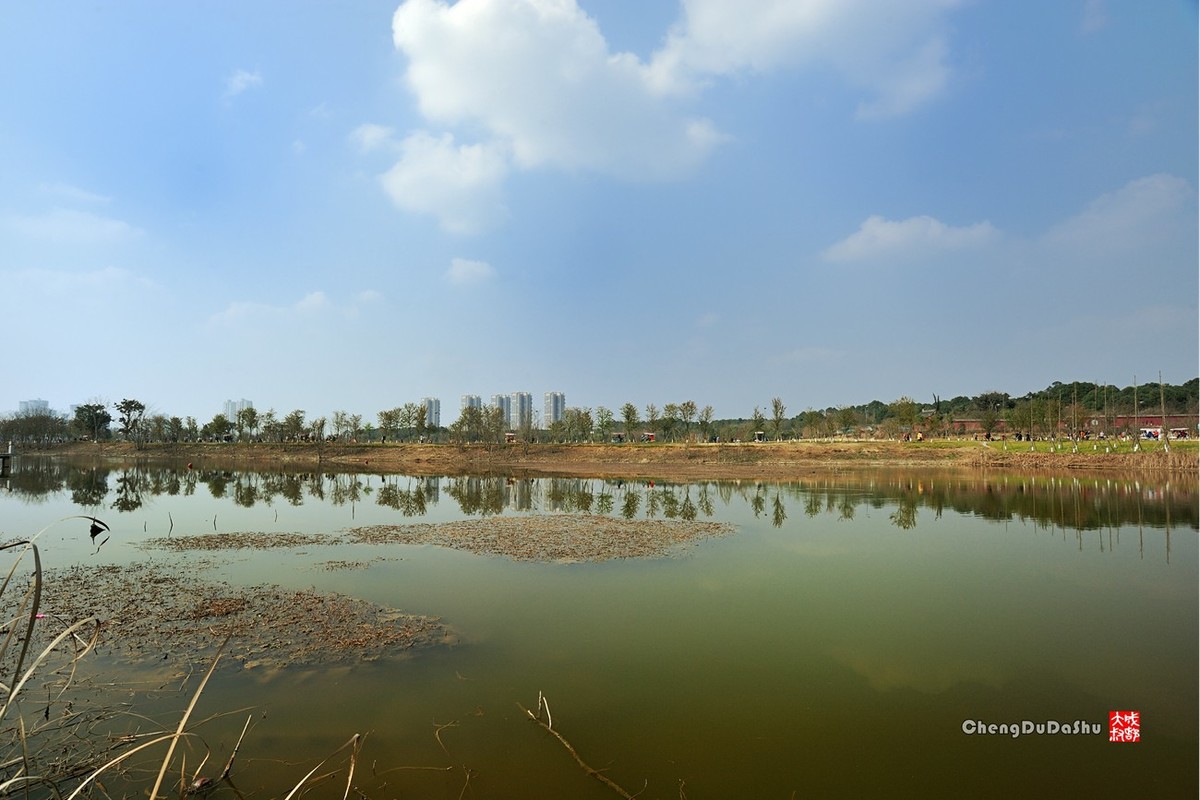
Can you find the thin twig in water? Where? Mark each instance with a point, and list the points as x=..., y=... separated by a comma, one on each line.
x=466, y=784
x=437, y=734
x=586, y=768
x=183, y=720
x=402, y=769
x=311, y=772
x=357, y=740
x=233, y=755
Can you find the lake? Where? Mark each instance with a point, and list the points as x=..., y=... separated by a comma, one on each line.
x=854, y=635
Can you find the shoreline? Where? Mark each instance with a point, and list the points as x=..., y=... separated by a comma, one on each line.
x=725, y=461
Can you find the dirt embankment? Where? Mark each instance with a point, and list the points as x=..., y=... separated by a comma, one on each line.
x=765, y=460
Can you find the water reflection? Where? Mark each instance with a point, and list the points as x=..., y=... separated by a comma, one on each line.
x=905, y=498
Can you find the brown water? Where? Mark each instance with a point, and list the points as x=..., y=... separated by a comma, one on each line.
x=835, y=645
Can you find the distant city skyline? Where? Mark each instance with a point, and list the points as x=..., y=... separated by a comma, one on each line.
x=512, y=404
x=233, y=407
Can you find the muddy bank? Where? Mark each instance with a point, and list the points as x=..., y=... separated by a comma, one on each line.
x=767, y=460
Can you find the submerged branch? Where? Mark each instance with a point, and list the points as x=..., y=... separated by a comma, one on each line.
x=595, y=773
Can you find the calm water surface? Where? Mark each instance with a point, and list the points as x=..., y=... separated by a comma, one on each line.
x=834, y=645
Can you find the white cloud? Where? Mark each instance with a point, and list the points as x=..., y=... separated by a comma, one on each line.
x=532, y=84
x=311, y=307
x=370, y=137
x=917, y=237
x=465, y=272
x=1129, y=220
x=240, y=81
x=74, y=194
x=313, y=301
x=68, y=225
x=537, y=76
x=893, y=50
x=459, y=184
x=906, y=83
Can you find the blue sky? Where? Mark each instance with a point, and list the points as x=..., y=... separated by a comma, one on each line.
x=352, y=206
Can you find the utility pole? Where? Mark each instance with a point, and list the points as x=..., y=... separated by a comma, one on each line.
x=1163, y=430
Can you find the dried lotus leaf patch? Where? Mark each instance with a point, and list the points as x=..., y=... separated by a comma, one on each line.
x=551, y=537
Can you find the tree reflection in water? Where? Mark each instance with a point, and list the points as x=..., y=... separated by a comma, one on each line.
x=1046, y=501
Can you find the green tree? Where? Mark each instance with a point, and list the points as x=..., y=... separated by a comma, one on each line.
x=493, y=425
x=412, y=418
x=778, y=415
x=758, y=421
x=130, y=415
x=992, y=399
x=247, y=422
x=989, y=418
x=389, y=421
x=270, y=426
x=156, y=428
x=670, y=420
x=218, y=428
x=631, y=420
x=92, y=420
x=1020, y=418
x=577, y=424
x=847, y=419
x=687, y=415
x=293, y=426
x=419, y=421
x=905, y=411
x=604, y=422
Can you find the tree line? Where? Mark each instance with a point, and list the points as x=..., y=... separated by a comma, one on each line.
x=1060, y=406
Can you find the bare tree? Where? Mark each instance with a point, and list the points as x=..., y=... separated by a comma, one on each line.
x=651, y=416
x=706, y=418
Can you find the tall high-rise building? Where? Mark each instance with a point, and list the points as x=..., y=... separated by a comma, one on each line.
x=232, y=407
x=504, y=403
x=34, y=407
x=521, y=412
x=433, y=412
x=470, y=401
x=556, y=404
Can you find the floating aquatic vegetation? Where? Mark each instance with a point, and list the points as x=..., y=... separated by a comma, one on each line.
x=150, y=611
x=550, y=537
x=245, y=540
